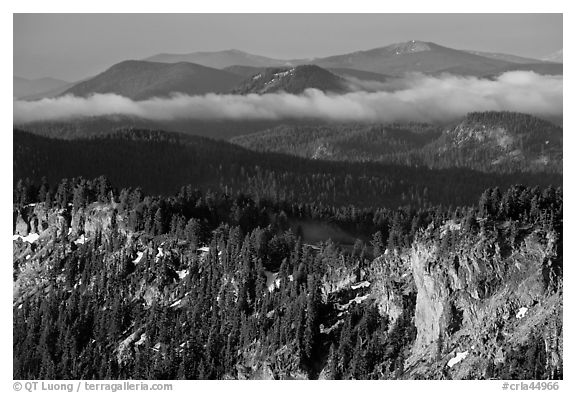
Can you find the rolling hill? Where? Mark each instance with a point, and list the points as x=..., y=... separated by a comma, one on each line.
x=487, y=141
x=161, y=163
x=140, y=80
x=218, y=59
x=292, y=80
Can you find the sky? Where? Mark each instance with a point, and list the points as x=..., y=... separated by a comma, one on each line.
x=76, y=46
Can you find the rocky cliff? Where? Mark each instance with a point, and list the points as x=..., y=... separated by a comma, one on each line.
x=481, y=305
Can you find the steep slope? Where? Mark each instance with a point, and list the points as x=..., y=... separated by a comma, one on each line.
x=218, y=59
x=346, y=73
x=292, y=80
x=503, y=139
x=487, y=305
x=170, y=288
x=140, y=80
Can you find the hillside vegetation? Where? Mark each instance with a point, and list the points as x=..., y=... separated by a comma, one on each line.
x=115, y=284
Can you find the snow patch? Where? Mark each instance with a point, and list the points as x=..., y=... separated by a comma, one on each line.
x=138, y=258
x=328, y=330
x=271, y=281
x=31, y=238
x=449, y=226
x=81, y=240
x=363, y=284
x=357, y=300
x=141, y=340
x=521, y=312
x=457, y=359
x=283, y=74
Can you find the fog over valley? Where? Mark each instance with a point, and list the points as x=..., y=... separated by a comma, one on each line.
x=416, y=97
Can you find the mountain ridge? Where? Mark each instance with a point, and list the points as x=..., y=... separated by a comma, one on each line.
x=140, y=80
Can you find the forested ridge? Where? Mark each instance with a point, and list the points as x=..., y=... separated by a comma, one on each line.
x=161, y=162
x=501, y=142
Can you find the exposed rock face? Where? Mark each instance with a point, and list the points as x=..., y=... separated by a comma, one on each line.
x=257, y=362
x=391, y=281
x=431, y=300
x=97, y=218
x=469, y=300
x=22, y=226
x=501, y=307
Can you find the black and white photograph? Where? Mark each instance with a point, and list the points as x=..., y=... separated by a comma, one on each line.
x=287, y=196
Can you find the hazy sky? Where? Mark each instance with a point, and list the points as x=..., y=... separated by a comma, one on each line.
x=75, y=46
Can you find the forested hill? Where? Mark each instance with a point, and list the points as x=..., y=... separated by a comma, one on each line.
x=486, y=141
x=162, y=162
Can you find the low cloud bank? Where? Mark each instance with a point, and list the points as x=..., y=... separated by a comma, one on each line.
x=416, y=97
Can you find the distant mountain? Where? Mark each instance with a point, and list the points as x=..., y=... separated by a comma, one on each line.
x=392, y=60
x=292, y=80
x=25, y=87
x=556, y=57
x=142, y=79
x=244, y=71
x=412, y=56
x=49, y=93
x=505, y=57
x=427, y=57
x=219, y=59
x=486, y=141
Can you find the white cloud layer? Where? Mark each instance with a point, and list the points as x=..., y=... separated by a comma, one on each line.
x=416, y=97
